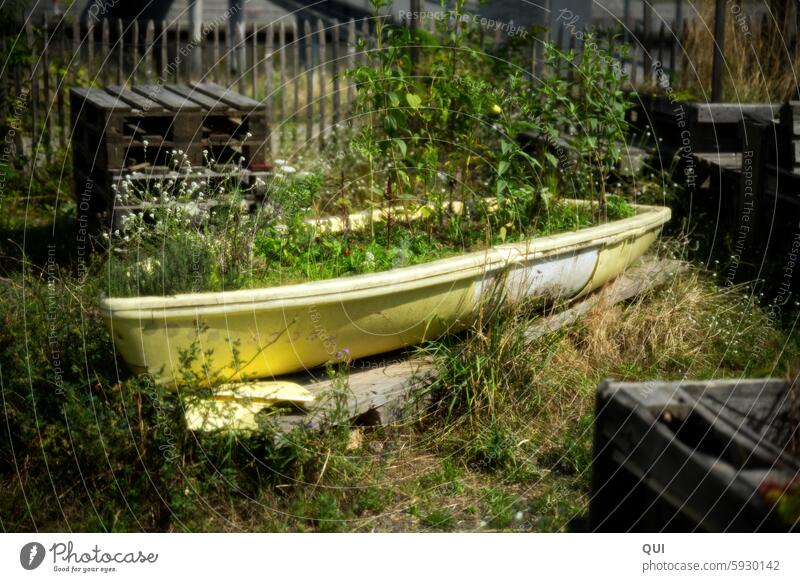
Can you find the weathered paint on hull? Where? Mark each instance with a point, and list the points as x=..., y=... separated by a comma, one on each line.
x=280, y=330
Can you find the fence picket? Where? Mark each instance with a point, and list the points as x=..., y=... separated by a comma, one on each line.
x=216, y=54
x=34, y=81
x=323, y=89
x=351, y=59
x=283, y=95
x=120, y=54
x=105, y=43
x=295, y=76
x=149, y=48
x=268, y=97
x=90, y=48
x=310, y=82
x=76, y=42
x=335, y=113
x=46, y=81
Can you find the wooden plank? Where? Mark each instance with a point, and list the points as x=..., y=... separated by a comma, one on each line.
x=635, y=281
x=76, y=42
x=120, y=53
x=48, y=106
x=134, y=99
x=201, y=99
x=149, y=50
x=335, y=105
x=171, y=101
x=323, y=81
x=164, y=51
x=98, y=98
x=295, y=79
x=310, y=82
x=256, y=62
x=90, y=47
x=269, y=97
x=284, y=53
x=134, y=76
x=351, y=61
x=227, y=96
x=34, y=81
x=379, y=391
x=178, y=60
x=216, y=53
x=105, y=47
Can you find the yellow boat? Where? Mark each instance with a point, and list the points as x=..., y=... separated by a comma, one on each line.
x=262, y=333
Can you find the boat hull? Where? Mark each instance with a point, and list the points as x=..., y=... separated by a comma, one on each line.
x=261, y=333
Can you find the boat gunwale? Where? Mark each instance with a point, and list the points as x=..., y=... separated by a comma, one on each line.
x=350, y=287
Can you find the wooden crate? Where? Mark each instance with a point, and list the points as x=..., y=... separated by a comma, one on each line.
x=693, y=456
x=146, y=129
x=703, y=127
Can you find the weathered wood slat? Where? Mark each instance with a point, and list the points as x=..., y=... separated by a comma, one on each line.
x=150, y=48
x=168, y=99
x=335, y=105
x=309, y=81
x=120, y=53
x=203, y=100
x=227, y=96
x=164, y=50
x=295, y=110
x=100, y=99
x=134, y=99
x=323, y=81
x=269, y=96
x=105, y=47
x=282, y=80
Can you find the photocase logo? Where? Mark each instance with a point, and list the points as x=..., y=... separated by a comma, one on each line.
x=31, y=555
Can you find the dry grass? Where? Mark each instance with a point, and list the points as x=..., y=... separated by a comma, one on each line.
x=760, y=63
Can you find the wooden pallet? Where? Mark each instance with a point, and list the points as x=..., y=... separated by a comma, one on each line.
x=691, y=456
x=120, y=130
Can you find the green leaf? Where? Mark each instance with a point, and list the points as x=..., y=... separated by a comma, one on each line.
x=394, y=99
x=552, y=159
x=401, y=144
x=414, y=101
x=502, y=167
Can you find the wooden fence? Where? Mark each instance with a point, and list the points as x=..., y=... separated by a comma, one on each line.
x=296, y=68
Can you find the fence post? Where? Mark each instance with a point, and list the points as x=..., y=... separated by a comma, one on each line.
x=295, y=76
x=164, y=51
x=120, y=53
x=255, y=60
x=719, y=51
x=283, y=93
x=268, y=97
x=76, y=41
x=134, y=76
x=309, y=81
x=46, y=79
x=335, y=115
x=34, y=86
x=195, y=33
x=351, y=60
x=647, y=42
x=90, y=47
x=322, y=80
x=216, y=53
x=105, y=44
x=149, y=41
